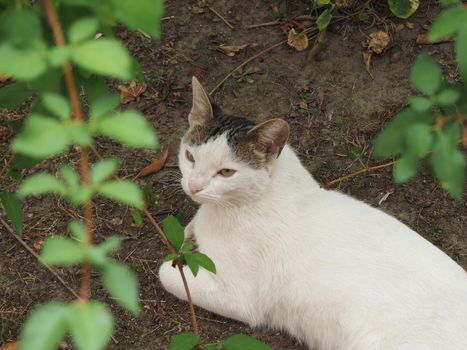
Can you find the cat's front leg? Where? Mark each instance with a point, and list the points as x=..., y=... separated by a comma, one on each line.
x=190, y=231
x=207, y=291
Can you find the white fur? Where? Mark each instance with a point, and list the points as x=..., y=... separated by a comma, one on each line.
x=330, y=270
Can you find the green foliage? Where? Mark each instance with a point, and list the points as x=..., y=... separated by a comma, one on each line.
x=184, y=341
x=103, y=169
x=431, y=126
x=123, y=191
x=174, y=231
x=403, y=8
x=59, y=250
x=41, y=183
x=243, y=342
x=13, y=210
x=189, y=341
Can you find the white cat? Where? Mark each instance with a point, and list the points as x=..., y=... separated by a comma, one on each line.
x=332, y=271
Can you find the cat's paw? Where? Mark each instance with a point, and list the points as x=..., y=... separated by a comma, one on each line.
x=190, y=231
x=171, y=280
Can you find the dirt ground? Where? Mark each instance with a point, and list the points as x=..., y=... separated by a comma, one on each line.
x=332, y=105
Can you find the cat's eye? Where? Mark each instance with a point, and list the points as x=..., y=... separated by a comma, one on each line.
x=227, y=172
x=189, y=156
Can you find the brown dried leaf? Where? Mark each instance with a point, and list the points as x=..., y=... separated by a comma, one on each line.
x=131, y=92
x=231, y=50
x=378, y=41
x=154, y=166
x=38, y=244
x=464, y=135
x=197, y=10
x=10, y=346
x=367, y=59
x=3, y=78
x=422, y=40
x=299, y=41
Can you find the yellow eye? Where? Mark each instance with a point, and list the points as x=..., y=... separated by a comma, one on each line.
x=227, y=172
x=189, y=156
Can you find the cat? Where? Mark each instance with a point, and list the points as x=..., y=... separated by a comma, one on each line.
x=334, y=272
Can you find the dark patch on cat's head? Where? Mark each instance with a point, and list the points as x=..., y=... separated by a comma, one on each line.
x=254, y=144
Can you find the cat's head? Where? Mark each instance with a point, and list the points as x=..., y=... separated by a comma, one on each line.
x=227, y=160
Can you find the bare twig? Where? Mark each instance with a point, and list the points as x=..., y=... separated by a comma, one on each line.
x=51, y=15
x=5, y=167
x=30, y=250
x=266, y=24
x=222, y=18
x=358, y=172
x=190, y=301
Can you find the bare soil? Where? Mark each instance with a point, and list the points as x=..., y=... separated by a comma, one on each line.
x=332, y=105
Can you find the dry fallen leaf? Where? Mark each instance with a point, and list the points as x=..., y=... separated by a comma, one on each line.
x=231, y=50
x=299, y=41
x=464, y=135
x=131, y=92
x=423, y=40
x=38, y=244
x=10, y=346
x=378, y=41
x=154, y=166
x=367, y=60
x=3, y=78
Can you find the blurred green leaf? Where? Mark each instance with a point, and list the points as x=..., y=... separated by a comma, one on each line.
x=13, y=95
x=41, y=137
x=170, y=257
x=461, y=49
x=243, y=342
x=70, y=176
x=136, y=215
x=140, y=14
x=130, y=128
x=425, y=74
x=80, y=134
x=103, y=106
x=420, y=103
x=447, y=23
x=103, y=169
x=57, y=105
x=122, y=284
x=184, y=341
x=449, y=165
x=186, y=247
x=419, y=139
x=59, y=250
x=83, y=28
x=448, y=97
x=103, y=56
x=174, y=231
x=58, y=55
x=405, y=168
x=110, y=245
x=91, y=325
x=20, y=27
x=41, y=183
x=123, y=191
x=21, y=64
x=96, y=89
x=13, y=210
x=44, y=328
x=77, y=230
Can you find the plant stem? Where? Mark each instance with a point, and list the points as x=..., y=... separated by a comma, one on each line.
x=190, y=301
x=51, y=15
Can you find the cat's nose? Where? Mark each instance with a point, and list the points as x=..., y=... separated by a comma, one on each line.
x=195, y=188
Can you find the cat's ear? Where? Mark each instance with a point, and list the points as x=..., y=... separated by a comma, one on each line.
x=269, y=138
x=201, y=111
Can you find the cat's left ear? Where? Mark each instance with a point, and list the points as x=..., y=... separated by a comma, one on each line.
x=201, y=111
x=269, y=138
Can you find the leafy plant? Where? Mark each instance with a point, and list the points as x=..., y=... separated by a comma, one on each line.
x=431, y=127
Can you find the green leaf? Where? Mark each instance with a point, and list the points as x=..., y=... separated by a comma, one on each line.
x=96, y=89
x=13, y=210
x=321, y=3
x=448, y=97
x=80, y=134
x=41, y=137
x=122, y=284
x=57, y=105
x=419, y=138
x=21, y=64
x=405, y=168
x=103, y=106
x=449, y=2
x=140, y=14
x=123, y=191
x=110, y=245
x=21, y=162
x=39, y=184
x=130, y=128
x=355, y=152
x=103, y=169
x=44, y=328
x=103, y=56
x=390, y=141
x=77, y=230
x=186, y=247
x=13, y=95
x=461, y=49
x=70, y=176
x=58, y=55
x=59, y=250
x=170, y=257
x=243, y=342
x=205, y=261
x=91, y=325
x=20, y=27
x=184, y=341
x=420, y=103
x=403, y=8
x=447, y=23
x=192, y=263
x=136, y=215
x=174, y=231
x=80, y=195
x=83, y=28
x=449, y=165
x=324, y=19
x=425, y=74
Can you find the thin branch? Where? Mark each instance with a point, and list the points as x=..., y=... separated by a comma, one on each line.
x=356, y=173
x=266, y=24
x=222, y=18
x=30, y=250
x=51, y=15
x=190, y=301
x=5, y=167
